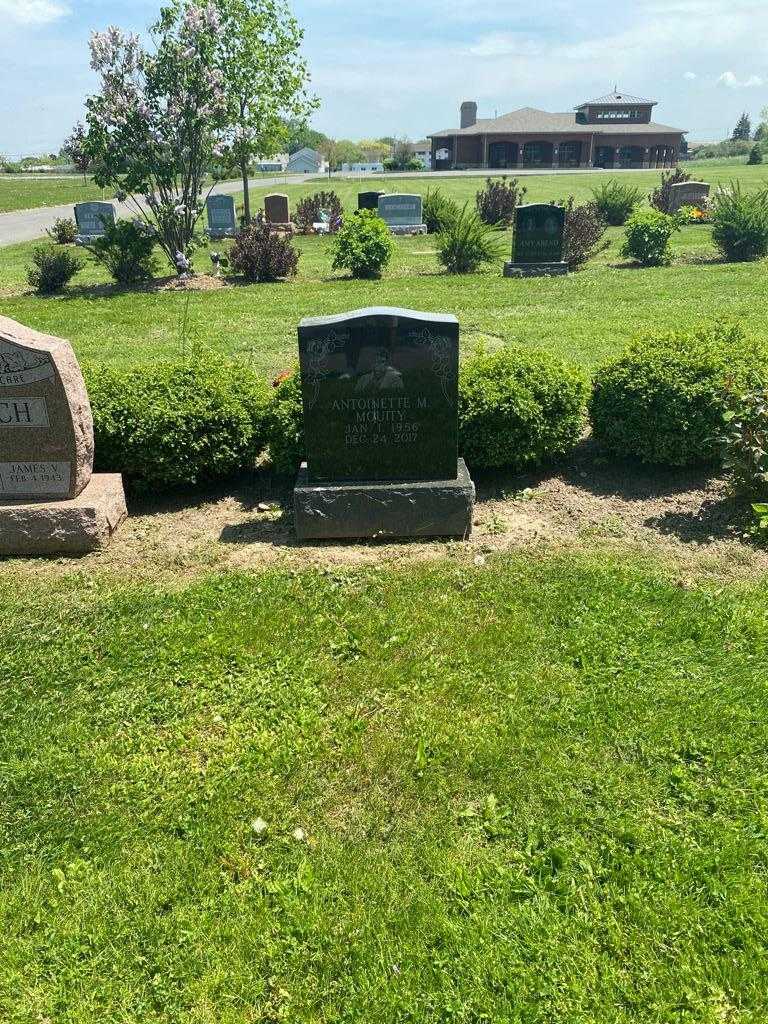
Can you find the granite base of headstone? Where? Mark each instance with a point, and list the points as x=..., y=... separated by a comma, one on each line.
x=538, y=246
x=50, y=500
x=380, y=398
x=403, y=214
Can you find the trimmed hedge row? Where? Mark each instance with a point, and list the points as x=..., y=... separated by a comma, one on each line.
x=662, y=401
x=169, y=424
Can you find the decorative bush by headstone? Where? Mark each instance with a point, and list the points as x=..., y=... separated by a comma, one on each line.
x=380, y=398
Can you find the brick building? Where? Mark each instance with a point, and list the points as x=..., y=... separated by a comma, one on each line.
x=612, y=131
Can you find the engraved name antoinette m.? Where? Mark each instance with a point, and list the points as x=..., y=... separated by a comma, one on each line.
x=389, y=409
x=23, y=366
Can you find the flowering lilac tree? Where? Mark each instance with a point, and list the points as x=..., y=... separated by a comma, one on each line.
x=155, y=121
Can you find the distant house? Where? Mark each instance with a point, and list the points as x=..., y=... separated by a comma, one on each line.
x=305, y=161
x=373, y=168
x=277, y=162
x=422, y=151
x=610, y=131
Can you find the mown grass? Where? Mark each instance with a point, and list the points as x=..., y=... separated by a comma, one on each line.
x=584, y=317
x=18, y=193
x=530, y=792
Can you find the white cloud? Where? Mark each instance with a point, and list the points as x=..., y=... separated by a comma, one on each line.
x=33, y=12
x=690, y=76
x=729, y=79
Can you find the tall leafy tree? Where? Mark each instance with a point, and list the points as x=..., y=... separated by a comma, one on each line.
x=265, y=79
x=743, y=129
x=299, y=134
x=75, y=148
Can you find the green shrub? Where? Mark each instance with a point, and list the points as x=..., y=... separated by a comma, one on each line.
x=740, y=223
x=263, y=255
x=63, y=232
x=518, y=408
x=584, y=230
x=166, y=425
x=755, y=155
x=363, y=246
x=745, y=442
x=647, y=236
x=467, y=243
x=52, y=268
x=662, y=400
x=615, y=201
x=661, y=198
x=438, y=211
x=126, y=250
x=497, y=201
x=285, y=424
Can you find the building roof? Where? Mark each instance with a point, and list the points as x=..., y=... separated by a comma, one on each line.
x=617, y=99
x=529, y=120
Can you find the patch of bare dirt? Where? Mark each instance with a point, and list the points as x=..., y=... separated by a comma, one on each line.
x=684, y=516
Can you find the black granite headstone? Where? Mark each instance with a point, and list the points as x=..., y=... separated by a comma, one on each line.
x=380, y=393
x=368, y=200
x=539, y=232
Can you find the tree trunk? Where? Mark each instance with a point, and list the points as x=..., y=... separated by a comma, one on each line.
x=246, y=193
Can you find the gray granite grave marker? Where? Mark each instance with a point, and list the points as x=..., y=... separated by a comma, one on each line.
x=688, y=193
x=380, y=398
x=91, y=219
x=539, y=241
x=402, y=214
x=222, y=222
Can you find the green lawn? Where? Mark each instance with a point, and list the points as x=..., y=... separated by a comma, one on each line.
x=530, y=792
x=18, y=193
x=584, y=317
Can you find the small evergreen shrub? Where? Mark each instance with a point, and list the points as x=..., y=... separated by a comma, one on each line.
x=755, y=155
x=308, y=211
x=439, y=211
x=497, y=201
x=662, y=401
x=467, y=243
x=518, y=408
x=740, y=223
x=363, y=246
x=584, y=231
x=63, y=232
x=52, y=268
x=745, y=442
x=262, y=255
x=646, y=240
x=165, y=425
x=660, y=198
x=285, y=424
x=126, y=250
x=615, y=201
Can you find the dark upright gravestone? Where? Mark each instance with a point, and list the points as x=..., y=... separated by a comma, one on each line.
x=276, y=210
x=221, y=217
x=50, y=500
x=539, y=241
x=368, y=200
x=91, y=219
x=380, y=396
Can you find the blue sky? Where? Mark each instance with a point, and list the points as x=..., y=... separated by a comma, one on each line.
x=402, y=68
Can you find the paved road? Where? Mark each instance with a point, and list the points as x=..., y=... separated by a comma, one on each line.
x=26, y=225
